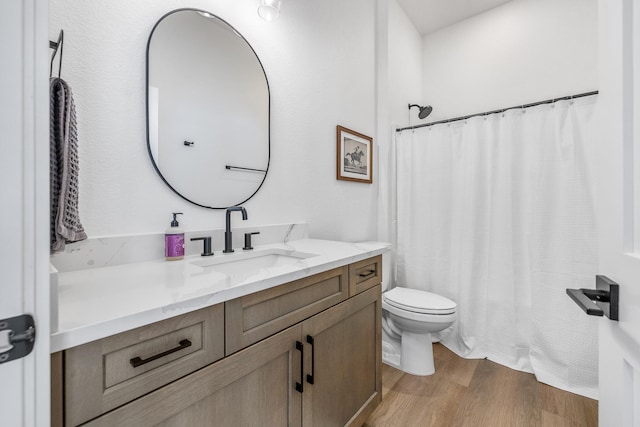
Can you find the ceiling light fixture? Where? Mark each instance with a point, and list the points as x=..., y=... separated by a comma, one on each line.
x=269, y=10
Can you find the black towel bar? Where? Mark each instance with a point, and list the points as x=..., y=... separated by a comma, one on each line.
x=244, y=169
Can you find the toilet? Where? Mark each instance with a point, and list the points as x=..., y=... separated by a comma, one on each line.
x=409, y=317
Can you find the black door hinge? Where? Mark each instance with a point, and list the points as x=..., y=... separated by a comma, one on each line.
x=17, y=337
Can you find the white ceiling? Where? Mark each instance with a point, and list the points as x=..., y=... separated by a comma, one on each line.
x=431, y=15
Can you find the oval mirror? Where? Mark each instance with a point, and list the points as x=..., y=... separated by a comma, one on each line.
x=207, y=109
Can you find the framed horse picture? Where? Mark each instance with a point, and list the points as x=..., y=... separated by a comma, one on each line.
x=354, y=159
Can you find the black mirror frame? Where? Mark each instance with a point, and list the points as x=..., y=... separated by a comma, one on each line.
x=153, y=162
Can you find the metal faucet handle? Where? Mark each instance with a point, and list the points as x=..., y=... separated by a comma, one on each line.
x=207, y=245
x=247, y=241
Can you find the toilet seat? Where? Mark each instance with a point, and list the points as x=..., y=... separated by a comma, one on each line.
x=418, y=301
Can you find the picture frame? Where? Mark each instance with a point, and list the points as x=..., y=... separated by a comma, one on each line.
x=354, y=156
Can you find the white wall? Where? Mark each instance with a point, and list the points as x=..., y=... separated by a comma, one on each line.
x=320, y=61
x=405, y=67
x=523, y=51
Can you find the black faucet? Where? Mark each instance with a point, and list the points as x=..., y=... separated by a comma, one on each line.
x=228, y=245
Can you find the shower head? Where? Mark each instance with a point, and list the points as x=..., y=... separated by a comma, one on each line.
x=424, y=111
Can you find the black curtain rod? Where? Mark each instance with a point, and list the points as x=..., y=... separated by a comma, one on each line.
x=548, y=101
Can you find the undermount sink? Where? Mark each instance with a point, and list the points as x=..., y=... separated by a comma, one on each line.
x=248, y=263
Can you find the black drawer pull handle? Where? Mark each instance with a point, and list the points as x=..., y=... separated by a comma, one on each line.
x=300, y=385
x=136, y=361
x=367, y=273
x=313, y=360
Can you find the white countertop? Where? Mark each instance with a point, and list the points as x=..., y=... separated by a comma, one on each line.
x=96, y=303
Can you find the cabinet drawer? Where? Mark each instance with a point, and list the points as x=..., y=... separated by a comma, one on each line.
x=256, y=316
x=107, y=373
x=254, y=387
x=365, y=274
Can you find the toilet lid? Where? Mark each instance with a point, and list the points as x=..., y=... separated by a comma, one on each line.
x=419, y=301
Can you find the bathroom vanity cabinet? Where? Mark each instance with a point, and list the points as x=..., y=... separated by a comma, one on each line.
x=304, y=353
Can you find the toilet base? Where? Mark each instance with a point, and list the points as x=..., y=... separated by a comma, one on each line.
x=391, y=349
x=417, y=354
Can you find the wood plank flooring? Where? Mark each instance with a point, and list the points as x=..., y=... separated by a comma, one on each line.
x=476, y=393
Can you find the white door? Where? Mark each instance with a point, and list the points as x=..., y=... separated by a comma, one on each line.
x=24, y=170
x=619, y=207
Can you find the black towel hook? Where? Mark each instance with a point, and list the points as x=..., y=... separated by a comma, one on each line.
x=56, y=46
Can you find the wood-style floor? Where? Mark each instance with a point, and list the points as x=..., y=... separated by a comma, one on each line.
x=476, y=393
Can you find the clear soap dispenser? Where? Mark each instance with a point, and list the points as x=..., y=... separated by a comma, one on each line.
x=174, y=240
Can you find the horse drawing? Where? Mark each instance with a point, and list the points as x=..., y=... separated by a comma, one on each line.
x=355, y=157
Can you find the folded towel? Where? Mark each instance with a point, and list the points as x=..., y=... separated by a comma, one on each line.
x=65, y=219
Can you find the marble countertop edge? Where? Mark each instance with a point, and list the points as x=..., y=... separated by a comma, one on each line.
x=80, y=298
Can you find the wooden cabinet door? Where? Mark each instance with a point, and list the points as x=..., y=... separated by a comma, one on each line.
x=254, y=387
x=344, y=362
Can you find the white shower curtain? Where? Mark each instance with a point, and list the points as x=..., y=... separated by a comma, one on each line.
x=498, y=214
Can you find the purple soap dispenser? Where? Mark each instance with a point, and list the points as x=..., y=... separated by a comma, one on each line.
x=174, y=240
